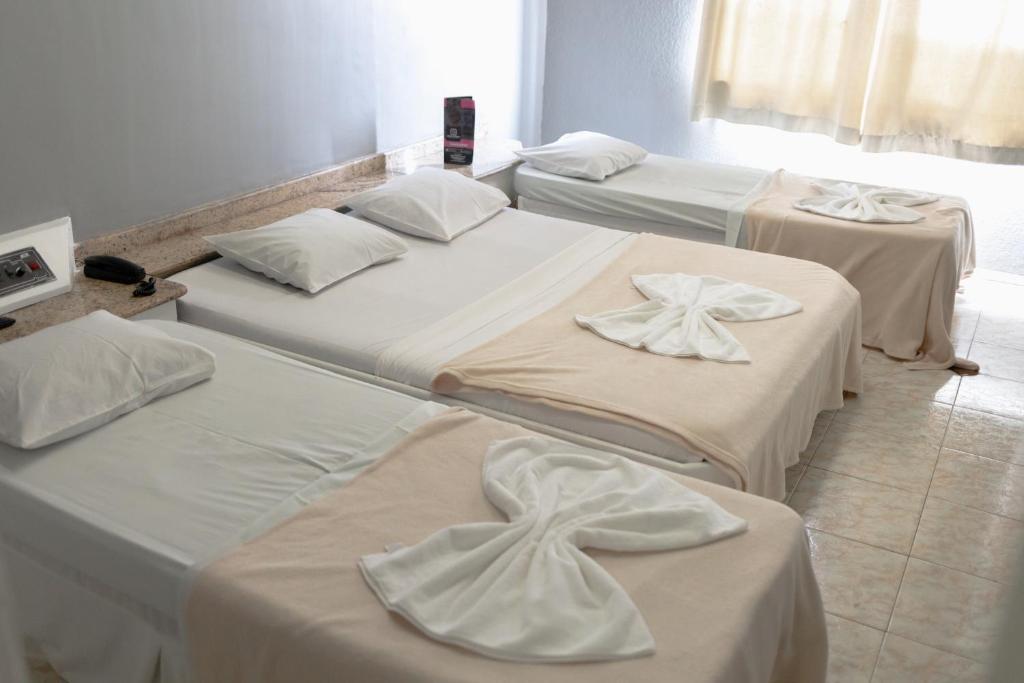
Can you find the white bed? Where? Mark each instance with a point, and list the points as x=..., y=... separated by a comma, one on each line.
x=448, y=296
x=103, y=531
x=662, y=194
x=398, y=323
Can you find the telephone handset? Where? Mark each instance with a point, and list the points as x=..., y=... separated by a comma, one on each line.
x=114, y=269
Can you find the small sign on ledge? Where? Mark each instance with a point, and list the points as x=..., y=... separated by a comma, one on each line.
x=459, y=125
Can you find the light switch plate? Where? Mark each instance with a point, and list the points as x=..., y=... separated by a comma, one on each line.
x=54, y=243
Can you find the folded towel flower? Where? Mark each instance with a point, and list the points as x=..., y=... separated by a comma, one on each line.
x=851, y=202
x=681, y=318
x=524, y=590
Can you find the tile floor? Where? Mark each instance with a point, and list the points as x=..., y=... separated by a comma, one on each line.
x=913, y=496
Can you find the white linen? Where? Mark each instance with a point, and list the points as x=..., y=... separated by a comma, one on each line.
x=682, y=313
x=126, y=511
x=583, y=154
x=310, y=250
x=686, y=232
x=429, y=283
x=432, y=203
x=525, y=590
x=665, y=190
x=71, y=378
x=459, y=290
x=853, y=202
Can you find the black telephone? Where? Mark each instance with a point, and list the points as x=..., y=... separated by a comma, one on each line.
x=114, y=269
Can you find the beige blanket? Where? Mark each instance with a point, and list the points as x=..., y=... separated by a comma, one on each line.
x=907, y=274
x=752, y=420
x=292, y=605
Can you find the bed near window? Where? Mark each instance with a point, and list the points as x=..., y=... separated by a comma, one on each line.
x=907, y=273
x=129, y=547
x=440, y=316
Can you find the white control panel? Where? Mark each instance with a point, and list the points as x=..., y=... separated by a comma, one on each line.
x=23, y=269
x=36, y=263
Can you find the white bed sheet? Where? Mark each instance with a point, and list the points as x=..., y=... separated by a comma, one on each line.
x=661, y=189
x=129, y=509
x=695, y=233
x=354, y=321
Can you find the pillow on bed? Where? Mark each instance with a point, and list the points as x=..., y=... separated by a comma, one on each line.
x=591, y=156
x=431, y=203
x=310, y=250
x=71, y=378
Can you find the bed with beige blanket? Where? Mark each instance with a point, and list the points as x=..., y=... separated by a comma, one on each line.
x=907, y=273
x=749, y=419
x=108, y=535
x=442, y=307
x=291, y=605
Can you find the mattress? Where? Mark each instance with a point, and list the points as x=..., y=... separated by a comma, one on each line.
x=661, y=189
x=695, y=233
x=140, y=503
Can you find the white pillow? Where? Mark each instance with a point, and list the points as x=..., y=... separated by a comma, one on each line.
x=310, y=250
x=431, y=203
x=70, y=378
x=587, y=155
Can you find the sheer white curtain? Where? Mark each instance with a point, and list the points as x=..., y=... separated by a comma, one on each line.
x=937, y=76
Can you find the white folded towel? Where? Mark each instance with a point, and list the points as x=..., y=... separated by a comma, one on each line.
x=852, y=202
x=681, y=318
x=524, y=590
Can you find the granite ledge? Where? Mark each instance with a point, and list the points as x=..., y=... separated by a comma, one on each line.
x=174, y=244
x=87, y=296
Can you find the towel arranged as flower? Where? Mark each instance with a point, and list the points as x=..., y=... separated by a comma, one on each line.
x=682, y=314
x=852, y=202
x=524, y=590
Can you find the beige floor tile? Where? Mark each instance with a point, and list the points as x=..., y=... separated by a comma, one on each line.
x=985, y=434
x=44, y=676
x=904, y=661
x=1001, y=328
x=969, y=540
x=993, y=297
x=852, y=650
x=961, y=347
x=856, y=509
x=887, y=375
x=999, y=361
x=949, y=609
x=990, y=485
x=857, y=581
x=965, y=322
x=821, y=425
x=896, y=414
x=992, y=394
x=793, y=475
x=881, y=458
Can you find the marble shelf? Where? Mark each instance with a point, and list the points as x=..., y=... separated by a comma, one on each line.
x=87, y=296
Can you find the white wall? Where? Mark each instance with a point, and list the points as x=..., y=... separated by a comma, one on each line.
x=116, y=112
x=427, y=51
x=624, y=67
x=120, y=111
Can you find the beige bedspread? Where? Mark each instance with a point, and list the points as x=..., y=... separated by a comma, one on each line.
x=907, y=274
x=292, y=606
x=752, y=420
